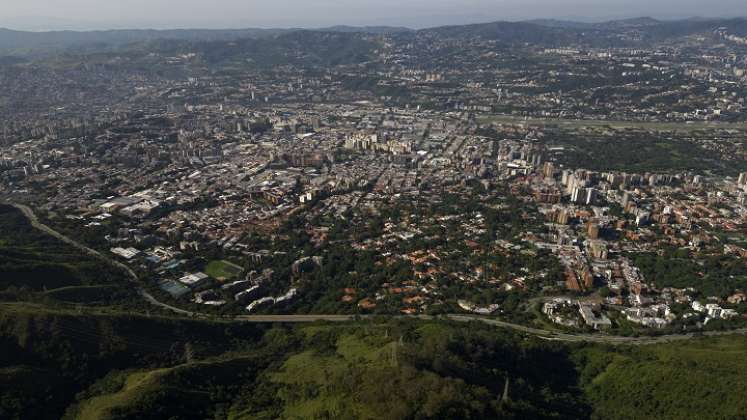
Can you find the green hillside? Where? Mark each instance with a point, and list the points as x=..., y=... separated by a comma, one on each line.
x=704, y=379
x=36, y=265
x=60, y=364
x=49, y=356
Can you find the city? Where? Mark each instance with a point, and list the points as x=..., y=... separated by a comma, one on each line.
x=585, y=180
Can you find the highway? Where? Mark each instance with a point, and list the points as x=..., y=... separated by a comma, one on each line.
x=295, y=319
x=543, y=334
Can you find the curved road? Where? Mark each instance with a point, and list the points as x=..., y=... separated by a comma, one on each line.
x=31, y=216
x=543, y=334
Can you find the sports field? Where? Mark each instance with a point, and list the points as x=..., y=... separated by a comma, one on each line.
x=223, y=270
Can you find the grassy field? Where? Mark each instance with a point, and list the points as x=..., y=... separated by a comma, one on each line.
x=223, y=270
x=135, y=386
x=151, y=393
x=331, y=375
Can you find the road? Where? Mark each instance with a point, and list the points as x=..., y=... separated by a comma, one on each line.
x=651, y=125
x=34, y=220
x=543, y=334
x=293, y=319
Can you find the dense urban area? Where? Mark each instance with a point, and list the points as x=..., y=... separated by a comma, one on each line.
x=414, y=173
x=570, y=178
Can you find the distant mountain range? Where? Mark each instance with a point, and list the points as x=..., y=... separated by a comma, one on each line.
x=543, y=32
x=24, y=43
x=555, y=32
x=625, y=23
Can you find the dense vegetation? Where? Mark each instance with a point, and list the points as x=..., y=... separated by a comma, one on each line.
x=699, y=380
x=122, y=367
x=638, y=153
x=33, y=263
x=713, y=275
x=50, y=356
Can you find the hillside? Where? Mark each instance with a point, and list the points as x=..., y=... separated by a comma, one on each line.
x=36, y=43
x=544, y=32
x=510, y=32
x=700, y=380
x=99, y=366
x=132, y=367
x=551, y=33
x=34, y=262
x=23, y=43
x=51, y=355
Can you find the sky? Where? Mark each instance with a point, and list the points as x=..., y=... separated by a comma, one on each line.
x=110, y=14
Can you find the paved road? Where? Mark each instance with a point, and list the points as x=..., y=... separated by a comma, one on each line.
x=656, y=125
x=544, y=334
x=292, y=319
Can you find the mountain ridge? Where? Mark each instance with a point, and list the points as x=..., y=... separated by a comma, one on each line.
x=548, y=32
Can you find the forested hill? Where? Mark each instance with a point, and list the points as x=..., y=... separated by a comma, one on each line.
x=551, y=33
x=33, y=44
x=547, y=33
x=96, y=366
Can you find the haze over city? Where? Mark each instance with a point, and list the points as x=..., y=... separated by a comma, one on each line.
x=109, y=14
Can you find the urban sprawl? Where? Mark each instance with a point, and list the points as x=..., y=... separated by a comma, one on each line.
x=557, y=185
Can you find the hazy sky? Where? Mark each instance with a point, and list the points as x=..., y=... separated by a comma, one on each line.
x=90, y=14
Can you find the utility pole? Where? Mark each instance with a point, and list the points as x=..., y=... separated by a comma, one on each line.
x=504, y=397
x=188, y=353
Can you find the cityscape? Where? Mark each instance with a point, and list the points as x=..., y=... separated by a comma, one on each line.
x=564, y=181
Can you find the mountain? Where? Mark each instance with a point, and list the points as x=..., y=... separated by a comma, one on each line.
x=737, y=26
x=641, y=22
x=35, y=43
x=14, y=42
x=63, y=364
x=509, y=32
x=603, y=34
x=301, y=47
x=367, y=29
x=545, y=32
x=555, y=23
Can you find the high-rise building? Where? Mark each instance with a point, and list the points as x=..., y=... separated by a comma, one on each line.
x=588, y=278
x=564, y=177
x=548, y=170
x=591, y=196
x=578, y=195
x=625, y=198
